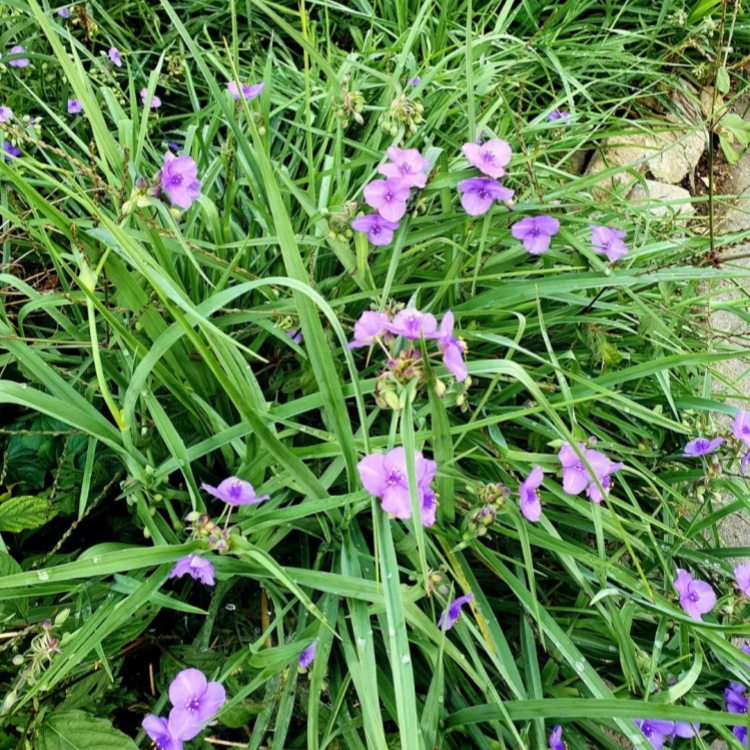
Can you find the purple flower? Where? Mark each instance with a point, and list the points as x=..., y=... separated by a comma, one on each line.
x=307, y=656
x=154, y=102
x=413, y=324
x=10, y=151
x=741, y=420
x=195, y=700
x=407, y=164
x=21, y=62
x=536, y=232
x=452, y=348
x=736, y=700
x=576, y=477
x=479, y=193
x=609, y=241
x=741, y=734
x=448, y=618
x=531, y=505
x=414, y=81
x=558, y=114
x=384, y=476
x=114, y=56
x=655, y=731
x=388, y=197
x=179, y=180
x=702, y=446
x=742, y=576
x=379, y=231
x=248, y=92
x=196, y=567
x=684, y=729
x=64, y=12
x=593, y=492
x=555, y=739
x=295, y=336
x=74, y=107
x=162, y=732
x=696, y=597
x=6, y=113
x=370, y=327
x=489, y=158
x=234, y=491
x=428, y=507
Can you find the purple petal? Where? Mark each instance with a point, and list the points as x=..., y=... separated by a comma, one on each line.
x=428, y=507
x=372, y=474
x=682, y=582
x=742, y=575
x=537, y=245
x=307, y=656
x=450, y=616
x=555, y=739
x=453, y=359
x=186, y=686
x=213, y=698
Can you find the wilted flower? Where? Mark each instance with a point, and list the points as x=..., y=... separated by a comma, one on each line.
x=490, y=157
x=234, y=491
x=370, y=326
x=248, y=92
x=742, y=576
x=162, y=732
x=479, y=193
x=20, y=62
x=179, y=180
x=388, y=197
x=536, y=232
x=448, y=618
x=609, y=241
x=741, y=421
x=379, y=230
x=696, y=597
x=10, y=151
x=114, y=56
x=64, y=12
x=307, y=656
x=384, y=476
x=555, y=739
x=655, y=731
x=6, y=113
x=452, y=349
x=702, y=446
x=413, y=324
x=407, y=164
x=196, y=567
x=154, y=102
x=195, y=700
x=74, y=107
x=558, y=114
x=531, y=505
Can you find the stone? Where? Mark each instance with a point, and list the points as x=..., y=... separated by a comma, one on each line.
x=662, y=200
x=681, y=151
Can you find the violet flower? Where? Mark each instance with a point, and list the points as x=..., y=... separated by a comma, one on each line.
x=702, y=446
x=696, y=597
x=556, y=740
x=414, y=81
x=154, y=102
x=558, y=114
x=114, y=56
x=536, y=232
x=64, y=13
x=162, y=733
x=307, y=656
x=452, y=349
x=384, y=476
x=379, y=231
x=295, y=336
x=479, y=193
x=736, y=700
x=428, y=507
x=577, y=478
x=742, y=576
x=490, y=157
x=196, y=701
x=196, y=567
x=388, y=197
x=741, y=420
x=413, y=324
x=74, y=107
x=20, y=62
x=6, y=113
x=593, y=492
x=684, y=729
x=369, y=328
x=407, y=164
x=10, y=151
x=450, y=616
x=248, y=92
x=609, y=241
x=655, y=730
x=179, y=180
x=235, y=491
x=528, y=490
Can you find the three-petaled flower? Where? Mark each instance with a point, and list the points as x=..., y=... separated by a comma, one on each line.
x=536, y=232
x=248, y=91
x=379, y=231
x=196, y=567
x=490, y=157
x=479, y=193
x=235, y=491
x=702, y=446
x=696, y=597
x=388, y=197
x=609, y=241
x=406, y=164
x=179, y=179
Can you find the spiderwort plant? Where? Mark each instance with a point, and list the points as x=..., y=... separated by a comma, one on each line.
x=307, y=656
x=536, y=233
x=556, y=740
x=528, y=491
x=450, y=617
x=178, y=178
x=197, y=567
x=702, y=446
x=608, y=241
x=697, y=598
x=6, y=113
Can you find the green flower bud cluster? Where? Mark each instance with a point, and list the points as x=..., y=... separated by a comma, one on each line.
x=402, y=112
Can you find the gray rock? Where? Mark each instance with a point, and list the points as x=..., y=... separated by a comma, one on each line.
x=662, y=200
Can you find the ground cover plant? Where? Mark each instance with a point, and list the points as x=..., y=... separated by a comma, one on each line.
x=339, y=409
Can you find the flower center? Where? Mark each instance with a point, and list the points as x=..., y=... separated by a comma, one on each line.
x=193, y=704
x=535, y=232
x=175, y=179
x=404, y=169
x=235, y=490
x=483, y=194
x=488, y=157
x=394, y=478
x=375, y=229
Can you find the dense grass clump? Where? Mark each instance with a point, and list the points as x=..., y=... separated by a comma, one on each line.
x=209, y=499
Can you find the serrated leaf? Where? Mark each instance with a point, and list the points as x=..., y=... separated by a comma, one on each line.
x=77, y=730
x=24, y=512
